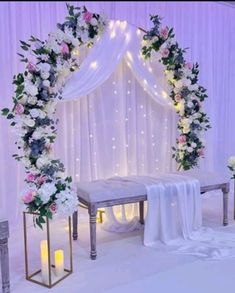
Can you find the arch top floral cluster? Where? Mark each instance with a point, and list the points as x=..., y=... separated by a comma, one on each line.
x=38, y=89
x=185, y=93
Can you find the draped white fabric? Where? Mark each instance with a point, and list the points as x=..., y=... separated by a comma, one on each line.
x=117, y=129
x=121, y=40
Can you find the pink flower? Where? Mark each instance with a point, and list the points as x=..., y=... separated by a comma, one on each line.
x=19, y=109
x=53, y=207
x=29, y=196
x=64, y=48
x=87, y=16
x=31, y=67
x=182, y=139
x=188, y=66
x=42, y=179
x=30, y=177
x=164, y=32
x=178, y=97
x=165, y=53
x=49, y=147
x=201, y=152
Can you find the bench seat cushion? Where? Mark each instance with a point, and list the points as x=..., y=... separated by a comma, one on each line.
x=109, y=189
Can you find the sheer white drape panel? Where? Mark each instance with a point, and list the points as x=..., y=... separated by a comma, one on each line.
x=111, y=131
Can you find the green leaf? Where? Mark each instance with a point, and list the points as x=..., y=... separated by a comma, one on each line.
x=5, y=111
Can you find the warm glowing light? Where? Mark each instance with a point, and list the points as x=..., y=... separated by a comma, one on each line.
x=123, y=24
x=129, y=56
x=111, y=24
x=145, y=81
x=59, y=263
x=118, y=22
x=164, y=94
x=155, y=86
x=138, y=32
x=150, y=69
x=113, y=34
x=44, y=260
x=75, y=52
x=127, y=36
x=93, y=64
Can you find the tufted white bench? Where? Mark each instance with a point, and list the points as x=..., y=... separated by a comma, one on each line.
x=114, y=191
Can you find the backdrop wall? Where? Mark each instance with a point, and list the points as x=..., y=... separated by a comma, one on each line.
x=118, y=129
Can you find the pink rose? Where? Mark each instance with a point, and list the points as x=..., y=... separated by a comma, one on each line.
x=29, y=196
x=19, y=109
x=87, y=16
x=53, y=207
x=30, y=177
x=31, y=67
x=182, y=139
x=178, y=97
x=165, y=53
x=164, y=32
x=41, y=179
x=64, y=48
x=201, y=152
x=188, y=66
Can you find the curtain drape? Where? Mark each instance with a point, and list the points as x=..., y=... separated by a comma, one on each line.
x=117, y=129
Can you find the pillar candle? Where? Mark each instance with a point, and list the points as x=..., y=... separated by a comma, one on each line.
x=59, y=263
x=44, y=261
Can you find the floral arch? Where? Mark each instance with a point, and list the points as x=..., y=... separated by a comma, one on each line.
x=39, y=88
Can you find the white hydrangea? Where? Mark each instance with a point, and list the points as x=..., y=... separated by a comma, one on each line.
x=46, y=191
x=66, y=202
x=26, y=162
x=29, y=122
x=46, y=83
x=44, y=67
x=41, y=162
x=34, y=113
x=45, y=75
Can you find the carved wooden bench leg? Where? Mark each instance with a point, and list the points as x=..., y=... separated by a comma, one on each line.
x=75, y=225
x=141, y=212
x=92, y=213
x=4, y=266
x=225, y=191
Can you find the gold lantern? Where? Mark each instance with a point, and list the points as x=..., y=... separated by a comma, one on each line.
x=53, y=269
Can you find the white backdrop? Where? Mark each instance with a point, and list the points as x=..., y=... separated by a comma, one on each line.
x=117, y=129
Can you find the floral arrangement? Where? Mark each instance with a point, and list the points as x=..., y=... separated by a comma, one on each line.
x=186, y=94
x=231, y=166
x=37, y=91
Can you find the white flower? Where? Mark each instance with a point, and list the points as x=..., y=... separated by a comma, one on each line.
x=50, y=107
x=231, y=162
x=66, y=202
x=60, y=35
x=75, y=42
x=26, y=162
x=34, y=113
x=31, y=89
x=93, y=21
x=23, y=100
x=193, y=87
x=46, y=83
x=193, y=145
x=190, y=104
x=29, y=122
x=190, y=149
x=42, y=114
x=44, y=57
x=37, y=134
x=32, y=100
x=41, y=162
x=45, y=75
x=85, y=37
x=178, y=84
x=46, y=191
x=44, y=67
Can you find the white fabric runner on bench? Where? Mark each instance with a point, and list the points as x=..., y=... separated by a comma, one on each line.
x=174, y=217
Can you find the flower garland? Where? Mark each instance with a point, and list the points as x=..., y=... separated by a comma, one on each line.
x=231, y=166
x=38, y=89
x=185, y=92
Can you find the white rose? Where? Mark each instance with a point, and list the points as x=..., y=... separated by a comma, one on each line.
x=37, y=134
x=44, y=67
x=46, y=83
x=186, y=82
x=34, y=113
x=41, y=162
x=42, y=114
x=190, y=149
x=32, y=100
x=29, y=122
x=31, y=89
x=45, y=75
x=193, y=145
x=75, y=42
x=190, y=104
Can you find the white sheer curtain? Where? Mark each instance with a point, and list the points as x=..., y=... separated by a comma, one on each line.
x=111, y=131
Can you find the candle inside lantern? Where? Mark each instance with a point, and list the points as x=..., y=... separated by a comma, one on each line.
x=59, y=263
x=44, y=261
